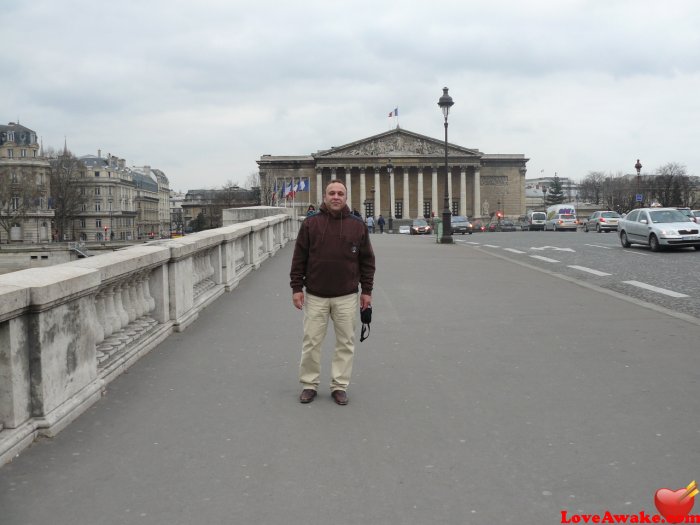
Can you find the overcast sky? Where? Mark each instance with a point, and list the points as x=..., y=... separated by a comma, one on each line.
x=201, y=89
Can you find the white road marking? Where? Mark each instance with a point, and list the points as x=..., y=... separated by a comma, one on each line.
x=545, y=259
x=664, y=291
x=512, y=250
x=553, y=248
x=599, y=246
x=590, y=270
x=491, y=245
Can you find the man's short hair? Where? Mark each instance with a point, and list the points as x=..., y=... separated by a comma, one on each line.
x=334, y=181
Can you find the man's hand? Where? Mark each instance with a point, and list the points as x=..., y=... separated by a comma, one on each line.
x=298, y=299
x=365, y=301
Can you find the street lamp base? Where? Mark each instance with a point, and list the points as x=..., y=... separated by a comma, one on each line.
x=446, y=239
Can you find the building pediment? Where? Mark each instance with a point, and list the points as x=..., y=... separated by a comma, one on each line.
x=396, y=144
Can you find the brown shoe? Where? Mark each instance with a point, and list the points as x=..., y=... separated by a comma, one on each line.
x=307, y=395
x=340, y=397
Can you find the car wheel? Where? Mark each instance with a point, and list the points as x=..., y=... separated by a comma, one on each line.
x=654, y=243
x=697, y=247
x=597, y=228
x=623, y=240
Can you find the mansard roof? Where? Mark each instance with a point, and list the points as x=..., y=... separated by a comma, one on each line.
x=397, y=143
x=18, y=134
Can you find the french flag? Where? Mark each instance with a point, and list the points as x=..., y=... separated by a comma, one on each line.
x=394, y=113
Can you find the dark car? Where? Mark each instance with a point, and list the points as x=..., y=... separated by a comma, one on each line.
x=420, y=227
x=507, y=226
x=460, y=224
x=478, y=226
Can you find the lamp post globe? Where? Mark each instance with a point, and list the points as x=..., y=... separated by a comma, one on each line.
x=445, y=104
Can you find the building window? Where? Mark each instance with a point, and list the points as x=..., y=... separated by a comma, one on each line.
x=14, y=177
x=97, y=190
x=15, y=203
x=427, y=209
x=23, y=153
x=82, y=174
x=82, y=223
x=82, y=190
x=34, y=153
x=98, y=206
x=83, y=207
x=10, y=153
x=97, y=174
x=98, y=223
x=369, y=209
x=455, y=208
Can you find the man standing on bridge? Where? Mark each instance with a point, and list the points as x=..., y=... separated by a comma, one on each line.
x=332, y=257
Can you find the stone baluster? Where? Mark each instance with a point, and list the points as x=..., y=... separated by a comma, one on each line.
x=149, y=301
x=119, y=306
x=100, y=316
x=112, y=319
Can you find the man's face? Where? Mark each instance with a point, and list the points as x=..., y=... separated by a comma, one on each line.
x=335, y=197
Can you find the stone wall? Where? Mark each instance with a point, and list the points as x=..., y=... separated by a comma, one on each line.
x=65, y=334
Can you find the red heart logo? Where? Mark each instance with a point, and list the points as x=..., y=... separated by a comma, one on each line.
x=672, y=505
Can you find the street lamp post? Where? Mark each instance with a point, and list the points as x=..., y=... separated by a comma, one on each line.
x=445, y=104
x=544, y=197
x=638, y=167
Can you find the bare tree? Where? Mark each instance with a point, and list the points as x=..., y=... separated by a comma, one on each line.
x=19, y=194
x=591, y=187
x=68, y=199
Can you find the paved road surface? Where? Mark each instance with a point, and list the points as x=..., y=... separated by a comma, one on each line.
x=467, y=407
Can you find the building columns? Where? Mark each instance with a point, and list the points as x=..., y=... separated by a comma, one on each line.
x=406, y=196
x=419, y=213
x=392, y=195
x=363, y=189
x=319, y=186
x=477, y=192
x=463, y=190
x=348, y=185
x=377, y=193
x=435, y=208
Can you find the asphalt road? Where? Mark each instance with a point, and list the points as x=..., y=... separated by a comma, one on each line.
x=670, y=279
x=467, y=407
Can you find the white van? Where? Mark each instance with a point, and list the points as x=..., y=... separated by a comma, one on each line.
x=536, y=220
x=561, y=217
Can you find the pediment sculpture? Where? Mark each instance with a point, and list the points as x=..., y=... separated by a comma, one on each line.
x=395, y=145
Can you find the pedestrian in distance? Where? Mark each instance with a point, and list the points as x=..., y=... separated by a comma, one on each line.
x=333, y=256
x=370, y=224
x=381, y=222
x=356, y=213
x=310, y=210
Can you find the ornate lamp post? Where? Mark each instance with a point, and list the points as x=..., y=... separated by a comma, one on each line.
x=445, y=104
x=638, y=167
x=544, y=197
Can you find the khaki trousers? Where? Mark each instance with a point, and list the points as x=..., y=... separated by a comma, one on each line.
x=343, y=312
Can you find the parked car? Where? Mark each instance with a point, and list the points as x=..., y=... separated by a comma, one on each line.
x=460, y=224
x=492, y=227
x=658, y=228
x=478, y=226
x=405, y=228
x=420, y=227
x=602, y=221
x=696, y=215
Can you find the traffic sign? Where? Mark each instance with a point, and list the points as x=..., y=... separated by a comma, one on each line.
x=639, y=197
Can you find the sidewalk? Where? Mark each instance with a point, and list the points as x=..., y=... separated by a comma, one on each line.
x=467, y=406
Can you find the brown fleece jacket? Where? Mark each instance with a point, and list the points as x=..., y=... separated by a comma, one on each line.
x=332, y=255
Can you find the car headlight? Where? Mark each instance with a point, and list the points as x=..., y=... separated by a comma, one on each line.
x=669, y=233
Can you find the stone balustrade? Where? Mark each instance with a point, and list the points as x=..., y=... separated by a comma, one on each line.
x=66, y=331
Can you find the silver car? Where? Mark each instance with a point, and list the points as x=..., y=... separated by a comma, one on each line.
x=602, y=221
x=658, y=228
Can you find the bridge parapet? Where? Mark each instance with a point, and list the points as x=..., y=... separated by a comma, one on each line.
x=66, y=331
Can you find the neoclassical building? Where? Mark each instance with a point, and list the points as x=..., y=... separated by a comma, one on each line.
x=400, y=174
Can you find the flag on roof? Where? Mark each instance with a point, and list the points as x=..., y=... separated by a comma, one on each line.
x=394, y=113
